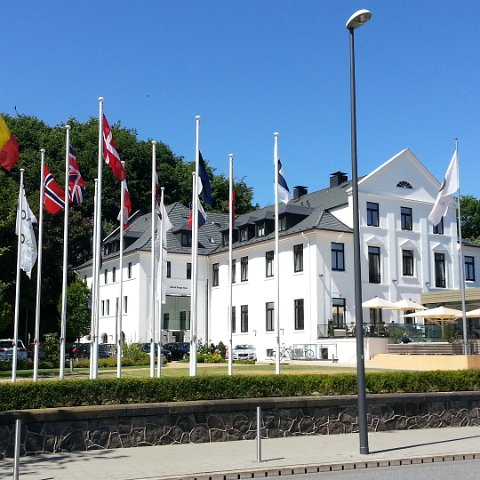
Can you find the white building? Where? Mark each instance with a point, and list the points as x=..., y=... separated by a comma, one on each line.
x=403, y=257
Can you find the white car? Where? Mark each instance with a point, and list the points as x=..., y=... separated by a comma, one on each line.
x=6, y=349
x=244, y=352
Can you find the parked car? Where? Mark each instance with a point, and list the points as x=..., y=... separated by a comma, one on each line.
x=179, y=350
x=244, y=352
x=166, y=353
x=82, y=350
x=31, y=349
x=6, y=349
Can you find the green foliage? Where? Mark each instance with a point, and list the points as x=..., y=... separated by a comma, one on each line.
x=51, y=347
x=209, y=358
x=134, y=352
x=470, y=217
x=78, y=313
x=106, y=391
x=222, y=349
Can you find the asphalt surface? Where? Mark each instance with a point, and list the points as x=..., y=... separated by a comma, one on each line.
x=239, y=459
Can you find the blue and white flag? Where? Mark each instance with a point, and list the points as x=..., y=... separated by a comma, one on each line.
x=206, y=189
x=282, y=187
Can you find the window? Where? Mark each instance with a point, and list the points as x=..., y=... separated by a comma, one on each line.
x=244, y=269
x=404, y=184
x=215, y=274
x=372, y=214
x=166, y=321
x=375, y=316
x=244, y=318
x=234, y=319
x=440, y=280
x=186, y=239
x=438, y=229
x=169, y=269
x=103, y=308
x=125, y=304
x=234, y=271
x=338, y=312
x=469, y=269
x=298, y=258
x=107, y=303
x=225, y=238
x=129, y=270
x=269, y=314
x=374, y=264
x=299, y=318
x=260, y=228
x=105, y=273
x=189, y=271
x=338, y=256
x=244, y=234
x=282, y=223
x=269, y=256
x=184, y=320
x=407, y=263
x=406, y=218
x=114, y=274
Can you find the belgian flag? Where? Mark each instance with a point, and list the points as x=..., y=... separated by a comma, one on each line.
x=8, y=147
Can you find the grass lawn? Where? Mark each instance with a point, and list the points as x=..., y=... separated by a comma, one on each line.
x=181, y=369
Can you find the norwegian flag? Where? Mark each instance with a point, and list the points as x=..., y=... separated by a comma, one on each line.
x=110, y=154
x=54, y=195
x=127, y=206
x=76, y=184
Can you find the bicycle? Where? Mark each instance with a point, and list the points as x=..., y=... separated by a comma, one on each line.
x=299, y=352
x=285, y=353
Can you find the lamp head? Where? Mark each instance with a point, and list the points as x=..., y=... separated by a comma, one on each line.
x=358, y=19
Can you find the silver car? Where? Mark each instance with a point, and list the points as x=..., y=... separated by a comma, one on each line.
x=244, y=352
x=6, y=349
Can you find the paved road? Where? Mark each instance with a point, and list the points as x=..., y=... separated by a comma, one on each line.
x=233, y=460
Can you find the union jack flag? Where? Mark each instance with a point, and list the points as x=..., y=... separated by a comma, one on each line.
x=76, y=184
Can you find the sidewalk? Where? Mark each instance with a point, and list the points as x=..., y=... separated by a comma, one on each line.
x=282, y=456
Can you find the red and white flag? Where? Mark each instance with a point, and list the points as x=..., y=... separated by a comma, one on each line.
x=110, y=154
x=127, y=206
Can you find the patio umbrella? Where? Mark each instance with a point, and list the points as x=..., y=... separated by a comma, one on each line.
x=438, y=315
x=472, y=313
x=378, y=303
x=408, y=305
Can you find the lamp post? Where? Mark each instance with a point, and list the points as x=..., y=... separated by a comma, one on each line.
x=358, y=19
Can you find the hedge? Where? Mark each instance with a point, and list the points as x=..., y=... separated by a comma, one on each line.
x=109, y=391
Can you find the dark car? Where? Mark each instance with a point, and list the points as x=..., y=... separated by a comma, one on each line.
x=179, y=350
x=82, y=350
x=166, y=353
x=31, y=352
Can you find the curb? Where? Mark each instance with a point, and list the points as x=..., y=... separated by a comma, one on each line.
x=316, y=468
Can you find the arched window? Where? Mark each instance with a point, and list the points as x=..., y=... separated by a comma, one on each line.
x=404, y=184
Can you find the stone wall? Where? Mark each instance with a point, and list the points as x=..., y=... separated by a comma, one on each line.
x=121, y=426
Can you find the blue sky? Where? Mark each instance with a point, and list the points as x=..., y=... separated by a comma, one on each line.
x=253, y=67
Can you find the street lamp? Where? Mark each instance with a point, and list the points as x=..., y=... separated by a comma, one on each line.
x=358, y=19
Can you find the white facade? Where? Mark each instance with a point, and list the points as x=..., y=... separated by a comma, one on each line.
x=400, y=194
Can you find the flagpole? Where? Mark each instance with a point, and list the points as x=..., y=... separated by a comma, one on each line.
x=276, y=254
x=63, y=318
x=120, y=267
x=461, y=259
x=160, y=280
x=39, y=269
x=99, y=235
x=193, y=299
x=152, y=264
x=93, y=290
x=17, y=283
x=230, y=260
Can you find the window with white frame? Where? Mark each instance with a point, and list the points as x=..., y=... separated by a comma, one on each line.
x=374, y=265
x=407, y=263
x=338, y=256
x=269, y=314
x=269, y=257
x=244, y=318
x=440, y=279
x=469, y=268
x=406, y=218
x=299, y=314
x=215, y=274
x=298, y=258
x=244, y=269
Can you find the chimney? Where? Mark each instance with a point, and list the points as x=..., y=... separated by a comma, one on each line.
x=337, y=178
x=299, y=191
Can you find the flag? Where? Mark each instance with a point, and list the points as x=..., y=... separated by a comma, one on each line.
x=161, y=279
x=127, y=205
x=54, y=196
x=9, y=149
x=232, y=205
x=282, y=187
x=202, y=216
x=76, y=184
x=157, y=197
x=24, y=228
x=110, y=154
x=206, y=189
x=449, y=186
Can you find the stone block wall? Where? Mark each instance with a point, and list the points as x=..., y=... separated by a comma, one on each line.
x=123, y=426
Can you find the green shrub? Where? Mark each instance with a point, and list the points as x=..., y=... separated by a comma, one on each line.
x=209, y=358
x=106, y=391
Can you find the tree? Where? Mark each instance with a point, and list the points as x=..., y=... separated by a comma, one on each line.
x=470, y=217
x=78, y=313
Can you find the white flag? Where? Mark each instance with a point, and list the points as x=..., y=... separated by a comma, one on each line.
x=162, y=269
x=24, y=228
x=449, y=186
